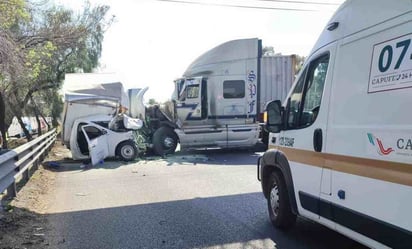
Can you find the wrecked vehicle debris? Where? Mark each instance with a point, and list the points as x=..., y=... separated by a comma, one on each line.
x=95, y=126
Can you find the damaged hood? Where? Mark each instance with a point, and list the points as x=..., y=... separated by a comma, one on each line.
x=91, y=99
x=137, y=107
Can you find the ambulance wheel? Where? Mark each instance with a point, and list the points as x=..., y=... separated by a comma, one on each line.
x=280, y=212
x=164, y=141
x=127, y=150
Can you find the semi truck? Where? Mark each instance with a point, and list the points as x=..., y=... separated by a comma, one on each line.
x=220, y=99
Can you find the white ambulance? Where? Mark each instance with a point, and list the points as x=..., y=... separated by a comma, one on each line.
x=341, y=143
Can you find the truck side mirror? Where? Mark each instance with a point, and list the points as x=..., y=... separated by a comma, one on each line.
x=274, y=116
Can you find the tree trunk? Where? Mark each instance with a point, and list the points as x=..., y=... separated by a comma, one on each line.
x=55, y=123
x=45, y=121
x=36, y=113
x=3, y=128
x=23, y=127
x=39, y=131
x=18, y=113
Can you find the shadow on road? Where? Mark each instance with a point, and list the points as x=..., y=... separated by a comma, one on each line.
x=218, y=157
x=64, y=165
x=237, y=220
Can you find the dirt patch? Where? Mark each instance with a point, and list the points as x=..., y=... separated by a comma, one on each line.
x=20, y=228
x=23, y=223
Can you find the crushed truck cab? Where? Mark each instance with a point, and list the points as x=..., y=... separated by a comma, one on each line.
x=92, y=138
x=94, y=128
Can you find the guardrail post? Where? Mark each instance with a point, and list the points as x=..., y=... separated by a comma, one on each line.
x=36, y=165
x=12, y=190
x=26, y=175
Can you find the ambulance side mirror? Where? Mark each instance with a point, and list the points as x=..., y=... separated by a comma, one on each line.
x=274, y=121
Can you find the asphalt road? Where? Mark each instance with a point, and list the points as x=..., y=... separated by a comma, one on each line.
x=199, y=200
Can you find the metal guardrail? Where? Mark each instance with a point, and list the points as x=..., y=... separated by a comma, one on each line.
x=21, y=162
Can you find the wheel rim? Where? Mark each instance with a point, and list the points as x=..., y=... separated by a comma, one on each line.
x=127, y=151
x=274, y=200
x=168, y=142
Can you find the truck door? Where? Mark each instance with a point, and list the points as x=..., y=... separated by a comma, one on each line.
x=97, y=143
x=192, y=102
x=303, y=140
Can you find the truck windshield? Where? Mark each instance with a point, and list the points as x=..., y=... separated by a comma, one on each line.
x=182, y=86
x=179, y=85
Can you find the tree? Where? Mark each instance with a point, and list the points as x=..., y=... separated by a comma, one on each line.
x=299, y=63
x=153, y=102
x=11, y=58
x=54, y=107
x=41, y=48
x=12, y=11
x=268, y=51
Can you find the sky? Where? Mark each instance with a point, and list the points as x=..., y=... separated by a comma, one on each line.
x=151, y=43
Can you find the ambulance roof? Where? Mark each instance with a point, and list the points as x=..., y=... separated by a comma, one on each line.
x=356, y=15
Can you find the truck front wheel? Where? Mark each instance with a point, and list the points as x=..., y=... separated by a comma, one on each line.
x=164, y=141
x=280, y=212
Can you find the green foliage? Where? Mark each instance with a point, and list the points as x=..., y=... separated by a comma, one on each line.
x=11, y=11
x=153, y=102
x=37, y=59
x=38, y=45
x=268, y=51
x=299, y=63
x=53, y=104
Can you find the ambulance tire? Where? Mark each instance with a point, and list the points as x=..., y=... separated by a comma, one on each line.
x=127, y=150
x=280, y=211
x=164, y=141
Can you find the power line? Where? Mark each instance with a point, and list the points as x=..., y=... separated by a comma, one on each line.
x=234, y=6
x=298, y=2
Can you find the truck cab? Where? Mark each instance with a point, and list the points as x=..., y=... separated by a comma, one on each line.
x=215, y=100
